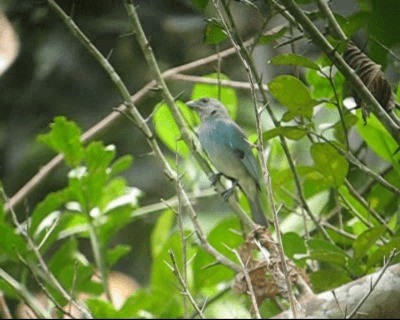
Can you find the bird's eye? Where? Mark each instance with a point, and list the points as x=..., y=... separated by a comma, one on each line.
x=213, y=112
x=204, y=100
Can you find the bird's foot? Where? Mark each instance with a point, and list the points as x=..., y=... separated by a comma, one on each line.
x=228, y=192
x=215, y=178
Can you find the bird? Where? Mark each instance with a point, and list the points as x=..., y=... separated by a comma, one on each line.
x=229, y=151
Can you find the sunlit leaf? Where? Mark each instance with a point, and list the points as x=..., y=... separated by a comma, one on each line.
x=365, y=240
x=294, y=60
x=272, y=35
x=290, y=132
x=64, y=137
x=293, y=94
x=214, y=33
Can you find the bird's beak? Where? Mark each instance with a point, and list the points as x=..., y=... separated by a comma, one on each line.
x=192, y=104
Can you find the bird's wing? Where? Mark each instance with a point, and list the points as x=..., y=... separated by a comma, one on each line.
x=238, y=142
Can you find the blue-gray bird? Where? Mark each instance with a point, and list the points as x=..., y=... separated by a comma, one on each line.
x=229, y=151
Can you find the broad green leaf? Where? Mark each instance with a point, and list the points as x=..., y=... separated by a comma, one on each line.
x=162, y=277
x=121, y=164
x=295, y=60
x=272, y=35
x=379, y=140
x=226, y=95
x=290, y=132
x=378, y=256
x=349, y=120
x=214, y=32
x=356, y=208
x=293, y=245
x=101, y=309
x=161, y=231
x=98, y=158
x=200, y=4
x=167, y=129
x=332, y=165
x=12, y=245
x=293, y=94
x=53, y=201
x=366, y=240
x=207, y=275
x=108, y=225
x=64, y=137
x=328, y=279
x=116, y=253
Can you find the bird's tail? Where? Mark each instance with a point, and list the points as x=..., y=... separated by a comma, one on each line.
x=257, y=211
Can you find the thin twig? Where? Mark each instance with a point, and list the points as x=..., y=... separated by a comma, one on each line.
x=373, y=286
x=249, y=286
x=182, y=281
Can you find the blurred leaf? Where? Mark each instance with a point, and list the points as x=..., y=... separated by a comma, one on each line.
x=272, y=35
x=121, y=164
x=53, y=201
x=293, y=94
x=357, y=207
x=161, y=231
x=152, y=304
x=225, y=94
x=64, y=137
x=98, y=158
x=379, y=140
x=349, y=121
x=167, y=129
x=12, y=244
x=162, y=277
x=207, y=274
x=116, y=253
x=214, y=32
x=101, y=309
x=378, y=256
x=290, y=132
x=293, y=245
x=295, y=60
x=328, y=279
x=108, y=225
x=332, y=165
x=320, y=86
x=200, y=4
x=367, y=239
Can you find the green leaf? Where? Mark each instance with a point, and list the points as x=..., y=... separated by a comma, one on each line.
x=366, y=240
x=379, y=140
x=293, y=245
x=349, y=121
x=12, y=245
x=293, y=94
x=162, y=231
x=357, y=207
x=378, y=256
x=206, y=274
x=214, y=33
x=328, y=278
x=332, y=165
x=200, y=4
x=121, y=164
x=295, y=60
x=64, y=137
x=101, y=309
x=226, y=95
x=167, y=129
x=290, y=132
x=116, y=253
x=272, y=35
x=51, y=203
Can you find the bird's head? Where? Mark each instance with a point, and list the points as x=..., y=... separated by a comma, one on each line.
x=208, y=108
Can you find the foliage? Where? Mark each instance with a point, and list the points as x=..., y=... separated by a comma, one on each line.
x=338, y=199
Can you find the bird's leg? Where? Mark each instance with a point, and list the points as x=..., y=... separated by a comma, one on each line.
x=215, y=178
x=228, y=192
